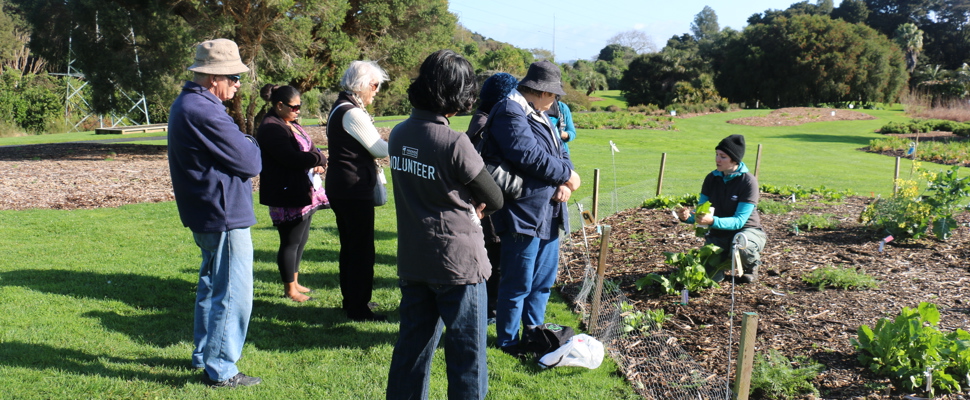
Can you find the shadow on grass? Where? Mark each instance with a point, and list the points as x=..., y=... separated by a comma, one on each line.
x=44, y=357
x=319, y=280
x=853, y=139
x=165, y=309
x=319, y=255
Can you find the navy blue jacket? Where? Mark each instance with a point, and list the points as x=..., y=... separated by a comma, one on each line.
x=211, y=162
x=526, y=139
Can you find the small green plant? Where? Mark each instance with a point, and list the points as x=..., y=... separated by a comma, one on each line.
x=910, y=346
x=908, y=213
x=642, y=321
x=810, y=222
x=610, y=286
x=773, y=207
x=840, y=277
x=691, y=273
x=777, y=377
x=802, y=193
x=669, y=202
x=702, y=209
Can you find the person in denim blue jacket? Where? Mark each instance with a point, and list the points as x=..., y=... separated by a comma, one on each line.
x=529, y=225
x=212, y=165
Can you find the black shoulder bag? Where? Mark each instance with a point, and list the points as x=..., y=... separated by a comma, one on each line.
x=501, y=170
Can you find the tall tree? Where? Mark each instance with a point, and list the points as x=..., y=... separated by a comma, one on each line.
x=807, y=60
x=637, y=40
x=852, y=11
x=617, y=51
x=910, y=39
x=705, y=24
x=305, y=43
x=507, y=59
x=886, y=15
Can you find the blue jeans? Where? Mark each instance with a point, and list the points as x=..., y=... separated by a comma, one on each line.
x=223, y=302
x=529, y=267
x=424, y=309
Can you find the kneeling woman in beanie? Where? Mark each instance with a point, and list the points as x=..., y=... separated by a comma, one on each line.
x=733, y=193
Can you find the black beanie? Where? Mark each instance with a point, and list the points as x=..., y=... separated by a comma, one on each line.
x=734, y=147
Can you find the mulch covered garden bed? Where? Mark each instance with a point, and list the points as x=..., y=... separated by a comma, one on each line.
x=795, y=318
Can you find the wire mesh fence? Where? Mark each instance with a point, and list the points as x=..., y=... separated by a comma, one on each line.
x=654, y=362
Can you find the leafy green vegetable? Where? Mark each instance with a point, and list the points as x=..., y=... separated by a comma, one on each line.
x=692, y=272
x=905, y=348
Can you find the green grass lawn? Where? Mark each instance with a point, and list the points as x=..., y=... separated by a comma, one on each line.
x=610, y=98
x=98, y=303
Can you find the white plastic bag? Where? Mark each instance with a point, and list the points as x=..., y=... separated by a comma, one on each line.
x=580, y=351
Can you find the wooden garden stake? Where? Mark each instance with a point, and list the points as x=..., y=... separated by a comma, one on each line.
x=896, y=177
x=757, y=161
x=660, y=179
x=600, y=275
x=596, y=194
x=742, y=376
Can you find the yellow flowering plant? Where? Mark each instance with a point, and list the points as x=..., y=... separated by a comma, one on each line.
x=910, y=212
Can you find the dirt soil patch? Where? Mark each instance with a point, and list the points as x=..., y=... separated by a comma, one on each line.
x=801, y=115
x=795, y=318
x=93, y=175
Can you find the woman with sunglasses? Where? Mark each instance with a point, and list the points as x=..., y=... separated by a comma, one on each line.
x=352, y=174
x=290, y=182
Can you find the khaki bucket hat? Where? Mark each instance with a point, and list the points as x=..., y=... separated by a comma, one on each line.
x=218, y=57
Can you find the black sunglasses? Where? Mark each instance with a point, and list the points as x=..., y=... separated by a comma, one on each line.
x=294, y=107
x=232, y=78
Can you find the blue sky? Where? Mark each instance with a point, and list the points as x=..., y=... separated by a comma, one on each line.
x=582, y=27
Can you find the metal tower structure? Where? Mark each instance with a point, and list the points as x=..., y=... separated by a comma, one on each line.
x=76, y=104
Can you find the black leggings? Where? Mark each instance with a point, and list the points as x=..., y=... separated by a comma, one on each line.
x=293, y=237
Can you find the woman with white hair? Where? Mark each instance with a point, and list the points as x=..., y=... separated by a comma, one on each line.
x=352, y=174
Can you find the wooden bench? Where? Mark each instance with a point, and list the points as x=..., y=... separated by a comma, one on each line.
x=121, y=130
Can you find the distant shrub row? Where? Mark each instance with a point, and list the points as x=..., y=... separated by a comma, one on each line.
x=927, y=125
x=694, y=108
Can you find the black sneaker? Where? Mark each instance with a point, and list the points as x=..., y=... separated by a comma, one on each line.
x=367, y=317
x=240, y=379
x=515, y=351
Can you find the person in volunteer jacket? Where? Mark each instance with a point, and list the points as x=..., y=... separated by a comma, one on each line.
x=441, y=191
x=734, y=194
x=529, y=225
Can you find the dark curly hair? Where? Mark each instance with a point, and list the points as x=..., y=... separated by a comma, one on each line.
x=495, y=88
x=445, y=84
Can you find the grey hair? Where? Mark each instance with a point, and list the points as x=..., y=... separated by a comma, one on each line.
x=360, y=74
x=199, y=76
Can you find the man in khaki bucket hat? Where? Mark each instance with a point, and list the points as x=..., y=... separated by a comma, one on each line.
x=212, y=164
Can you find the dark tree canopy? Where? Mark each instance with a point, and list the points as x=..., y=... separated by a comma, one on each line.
x=807, y=60
x=304, y=43
x=617, y=51
x=852, y=11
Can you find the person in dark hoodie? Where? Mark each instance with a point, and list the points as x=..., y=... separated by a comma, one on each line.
x=733, y=193
x=494, y=89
